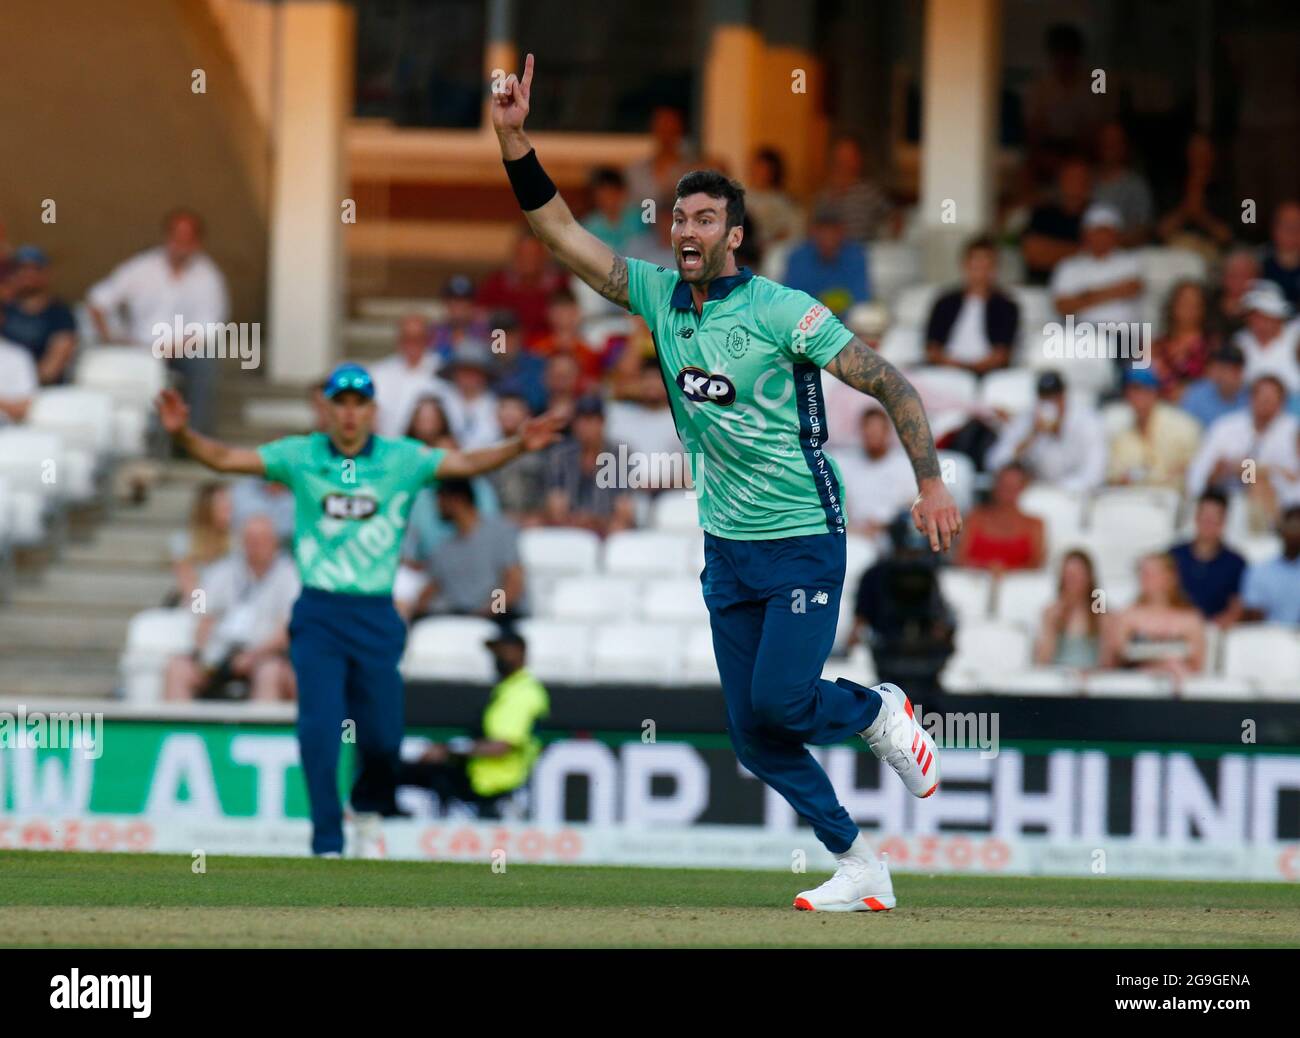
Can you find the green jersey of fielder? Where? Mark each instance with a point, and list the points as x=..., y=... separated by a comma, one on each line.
x=742, y=359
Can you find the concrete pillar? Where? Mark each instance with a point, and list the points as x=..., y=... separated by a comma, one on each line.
x=732, y=69
x=500, y=53
x=962, y=73
x=308, y=188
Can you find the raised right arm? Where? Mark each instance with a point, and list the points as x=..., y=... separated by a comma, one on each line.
x=546, y=211
x=220, y=457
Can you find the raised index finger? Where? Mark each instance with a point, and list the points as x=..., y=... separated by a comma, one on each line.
x=526, y=84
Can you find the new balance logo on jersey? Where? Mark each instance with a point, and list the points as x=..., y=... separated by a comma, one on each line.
x=686, y=333
x=698, y=385
x=347, y=506
x=821, y=598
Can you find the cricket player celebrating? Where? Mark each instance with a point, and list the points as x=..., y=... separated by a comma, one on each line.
x=353, y=491
x=741, y=357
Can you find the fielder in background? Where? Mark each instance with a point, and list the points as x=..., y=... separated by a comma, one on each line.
x=353, y=492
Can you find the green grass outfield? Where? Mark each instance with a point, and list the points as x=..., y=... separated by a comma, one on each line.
x=58, y=899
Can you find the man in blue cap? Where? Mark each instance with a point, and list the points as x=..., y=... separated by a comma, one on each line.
x=36, y=320
x=1159, y=442
x=353, y=491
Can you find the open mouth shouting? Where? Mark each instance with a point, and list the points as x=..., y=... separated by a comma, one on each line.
x=691, y=257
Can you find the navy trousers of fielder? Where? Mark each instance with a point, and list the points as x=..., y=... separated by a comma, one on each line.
x=772, y=632
x=345, y=650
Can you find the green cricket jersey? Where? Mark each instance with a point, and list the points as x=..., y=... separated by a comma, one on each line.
x=744, y=382
x=349, y=513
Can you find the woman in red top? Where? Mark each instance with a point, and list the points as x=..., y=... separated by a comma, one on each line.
x=1180, y=355
x=998, y=535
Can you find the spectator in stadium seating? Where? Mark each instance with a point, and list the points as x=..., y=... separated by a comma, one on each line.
x=656, y=177
x=1122, y=187
x=402, y=378
x=480, y=771
x=1162, y=632
x=1209, y=571
x=1102, y=282
x=524, y=287
x=176, y=281
x=19, y=382
x=1069, y=634
x=1270, y=590
x=1201, y=218
x=1054, y=229
x=467, y=400
x=1061, y=111
x=564, y=335
x=243, y=636
x=1221, y=391
x=974, y=327
x=429, y=423
x=612, y=219
x=36, y=319
x=520, y=486
x=250, y=496
x=844, y=404
x=657, y=246
x=1181, y=353
x=878, y=482
x=1268, y=342
x=205, y=541
x=473, y=572
x=1155, y=450
x=828, y=265
x=1240, y=272
x=576, y=495
x=644, y=424
x=1241, y=451
x=516, y=367
x=463, y=320
x=1282, y=258
x=627, y=354
x=1060, y=443
x=998, y=535
x=777, y=215
x=860, y=204
x=320, y=407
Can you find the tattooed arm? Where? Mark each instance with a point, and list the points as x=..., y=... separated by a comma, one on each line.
x=934, y=512
x=572, y=244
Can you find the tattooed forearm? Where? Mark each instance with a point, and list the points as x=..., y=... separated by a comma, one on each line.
x=867, y=371
x=615, y=287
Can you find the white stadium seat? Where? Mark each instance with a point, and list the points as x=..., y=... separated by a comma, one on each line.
x=912, y=306
x=699, y=666
x=986, y=651
x=648, y=553
x=1041, y=681
x=559, y=551
x=1267, y=656
x=1163, y=267
x=595, y=598
x=449, y=648
x=132, y=376
x=967, y=592
x=1061, y=512
x=1128, y=684
x=153, y=637
x=1260, y=547
x=637, y=652
x=1011, y=390
x=558, y=651
x=36, y=461
x=892, y=266
x=953, y=388
x=903, y=347
x=674, y=600
x=82, y=417
x=675, y=511
x=1023, y=595
x=960, y=476
x=1216, y=688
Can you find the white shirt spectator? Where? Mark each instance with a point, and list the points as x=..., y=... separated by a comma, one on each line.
x=1086, y=272
x=1234, y=438
x=877, y=489
x=1278, y=358
x=645, y=430
x=153, y=293
x=399, y=387
x=249, y=610
x=473, y=422
x=18, y=379
x=969, y=340
x=1073, y=459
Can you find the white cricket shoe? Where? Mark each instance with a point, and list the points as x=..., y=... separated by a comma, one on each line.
x=369, y=837
x=860, y=884
x=897, y=739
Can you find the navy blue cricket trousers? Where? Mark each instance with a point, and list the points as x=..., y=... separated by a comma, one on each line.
x=345, y=650
x=773, y=607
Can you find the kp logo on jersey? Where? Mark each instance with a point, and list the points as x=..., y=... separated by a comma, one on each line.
x=698, y=385
x=348, y=506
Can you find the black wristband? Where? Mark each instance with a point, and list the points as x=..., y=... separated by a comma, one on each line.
x=532, y=187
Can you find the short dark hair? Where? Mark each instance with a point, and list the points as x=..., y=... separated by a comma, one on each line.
x=981, y=242
x=606, y=176
x=1213, y=497
x=714, y=184
x=773, y=158
x=461, y=488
